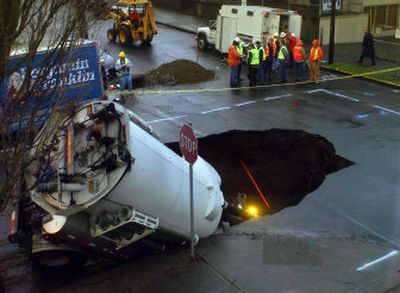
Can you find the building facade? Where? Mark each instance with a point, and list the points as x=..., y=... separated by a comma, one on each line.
x=381, y=17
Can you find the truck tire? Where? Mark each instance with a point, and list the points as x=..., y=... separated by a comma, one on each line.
x=58, y=258
x=111, y=35
x=147, y=42
x=202, y=43
x=124, y=35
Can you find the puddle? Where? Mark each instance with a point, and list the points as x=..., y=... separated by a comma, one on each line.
x=285, y=165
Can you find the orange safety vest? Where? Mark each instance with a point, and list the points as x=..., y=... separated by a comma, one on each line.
x=266, y=50
x=297, y=56
x=233, y=56
x=316, y=54
x=274, y=47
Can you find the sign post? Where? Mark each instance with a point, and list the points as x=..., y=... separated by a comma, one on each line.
x=189, y=148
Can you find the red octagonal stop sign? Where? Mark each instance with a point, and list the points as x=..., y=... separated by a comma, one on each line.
x=188, y=143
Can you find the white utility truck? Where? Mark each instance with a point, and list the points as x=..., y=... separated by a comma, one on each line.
x=109, y=186
x=248, y=23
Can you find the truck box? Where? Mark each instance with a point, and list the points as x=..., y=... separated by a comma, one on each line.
x=249, y=23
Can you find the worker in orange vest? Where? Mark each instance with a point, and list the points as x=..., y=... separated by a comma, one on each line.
x=292, y=43
x=275, y=49
x=315, y=61
x=269, y=49
x=233, y=62
x=299, y=56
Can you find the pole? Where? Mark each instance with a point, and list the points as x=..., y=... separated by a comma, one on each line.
x=191, y=211
x=332, y=33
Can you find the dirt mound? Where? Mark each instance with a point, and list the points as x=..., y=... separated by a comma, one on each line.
x=286, y=164
x=183, y=71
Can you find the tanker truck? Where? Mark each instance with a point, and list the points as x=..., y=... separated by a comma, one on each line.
x=107, y=186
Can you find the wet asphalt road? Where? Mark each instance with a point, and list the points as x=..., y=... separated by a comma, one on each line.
x=361, y=119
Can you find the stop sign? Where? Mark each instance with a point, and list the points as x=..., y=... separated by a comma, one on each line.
x=188, y=143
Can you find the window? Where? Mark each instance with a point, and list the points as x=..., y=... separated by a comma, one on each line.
x=234, y=11
x=250, y=13
x=392, y=15
x=386, y=17
x=380, y=15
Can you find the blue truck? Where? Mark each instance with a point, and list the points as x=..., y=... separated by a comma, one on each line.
x=58, y=76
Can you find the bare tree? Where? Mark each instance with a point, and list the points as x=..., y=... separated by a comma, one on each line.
x=26, y=26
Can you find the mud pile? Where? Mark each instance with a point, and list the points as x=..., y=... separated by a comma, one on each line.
x=286, y=164
x=178, y=72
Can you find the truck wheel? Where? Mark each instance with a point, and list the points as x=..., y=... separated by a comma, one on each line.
x=147, y=42
x=124, y=35
x=57, y=258
x=202, y=42
x=111, y=35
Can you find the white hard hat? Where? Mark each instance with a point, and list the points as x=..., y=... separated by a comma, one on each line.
x=276, y=34
x=237, y=40
x=293, y=35
x=283, y=35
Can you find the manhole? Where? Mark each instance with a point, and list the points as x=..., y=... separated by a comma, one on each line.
x=282, y=166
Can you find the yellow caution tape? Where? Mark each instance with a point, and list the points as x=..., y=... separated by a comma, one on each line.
x=158, y=92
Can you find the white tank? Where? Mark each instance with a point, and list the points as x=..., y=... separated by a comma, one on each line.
x=112, y=169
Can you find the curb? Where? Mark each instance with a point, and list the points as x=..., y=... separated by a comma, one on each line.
x=176, y=27
x=368, y=78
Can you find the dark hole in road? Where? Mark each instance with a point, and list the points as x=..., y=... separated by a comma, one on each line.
x=286, y=165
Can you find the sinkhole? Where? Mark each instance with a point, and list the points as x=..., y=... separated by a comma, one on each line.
x=283, y=166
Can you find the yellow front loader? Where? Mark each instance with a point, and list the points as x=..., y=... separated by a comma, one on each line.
x=133, y=21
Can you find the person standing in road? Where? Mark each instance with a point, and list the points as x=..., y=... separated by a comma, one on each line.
x=368, y=49
x=104, y=74
x=270, y=60
x=299, y=56
x=123, y=66
x=234, y=62
x=241, y=55
x=292, y=43
x=261, y=68
x=275, y=48
x=315, y=61
x=253, y=61
x=283, y=57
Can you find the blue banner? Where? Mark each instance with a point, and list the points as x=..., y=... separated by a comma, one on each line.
x=64, y=77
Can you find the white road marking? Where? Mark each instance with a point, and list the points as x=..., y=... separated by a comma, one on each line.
x=315, y=91
x=333, y=94
x=245, y=103
x=166, y=119
x=328, y=76
x=215, y=110
x=378, y=260
x=387, y=110
x=339, y=95
x=277, y=97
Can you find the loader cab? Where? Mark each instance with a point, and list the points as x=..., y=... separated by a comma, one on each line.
x=133, y=21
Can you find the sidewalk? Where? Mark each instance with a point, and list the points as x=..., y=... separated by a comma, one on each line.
x=184, y=22
x=345, y=54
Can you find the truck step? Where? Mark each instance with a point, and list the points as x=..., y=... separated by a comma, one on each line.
x=127, y=230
